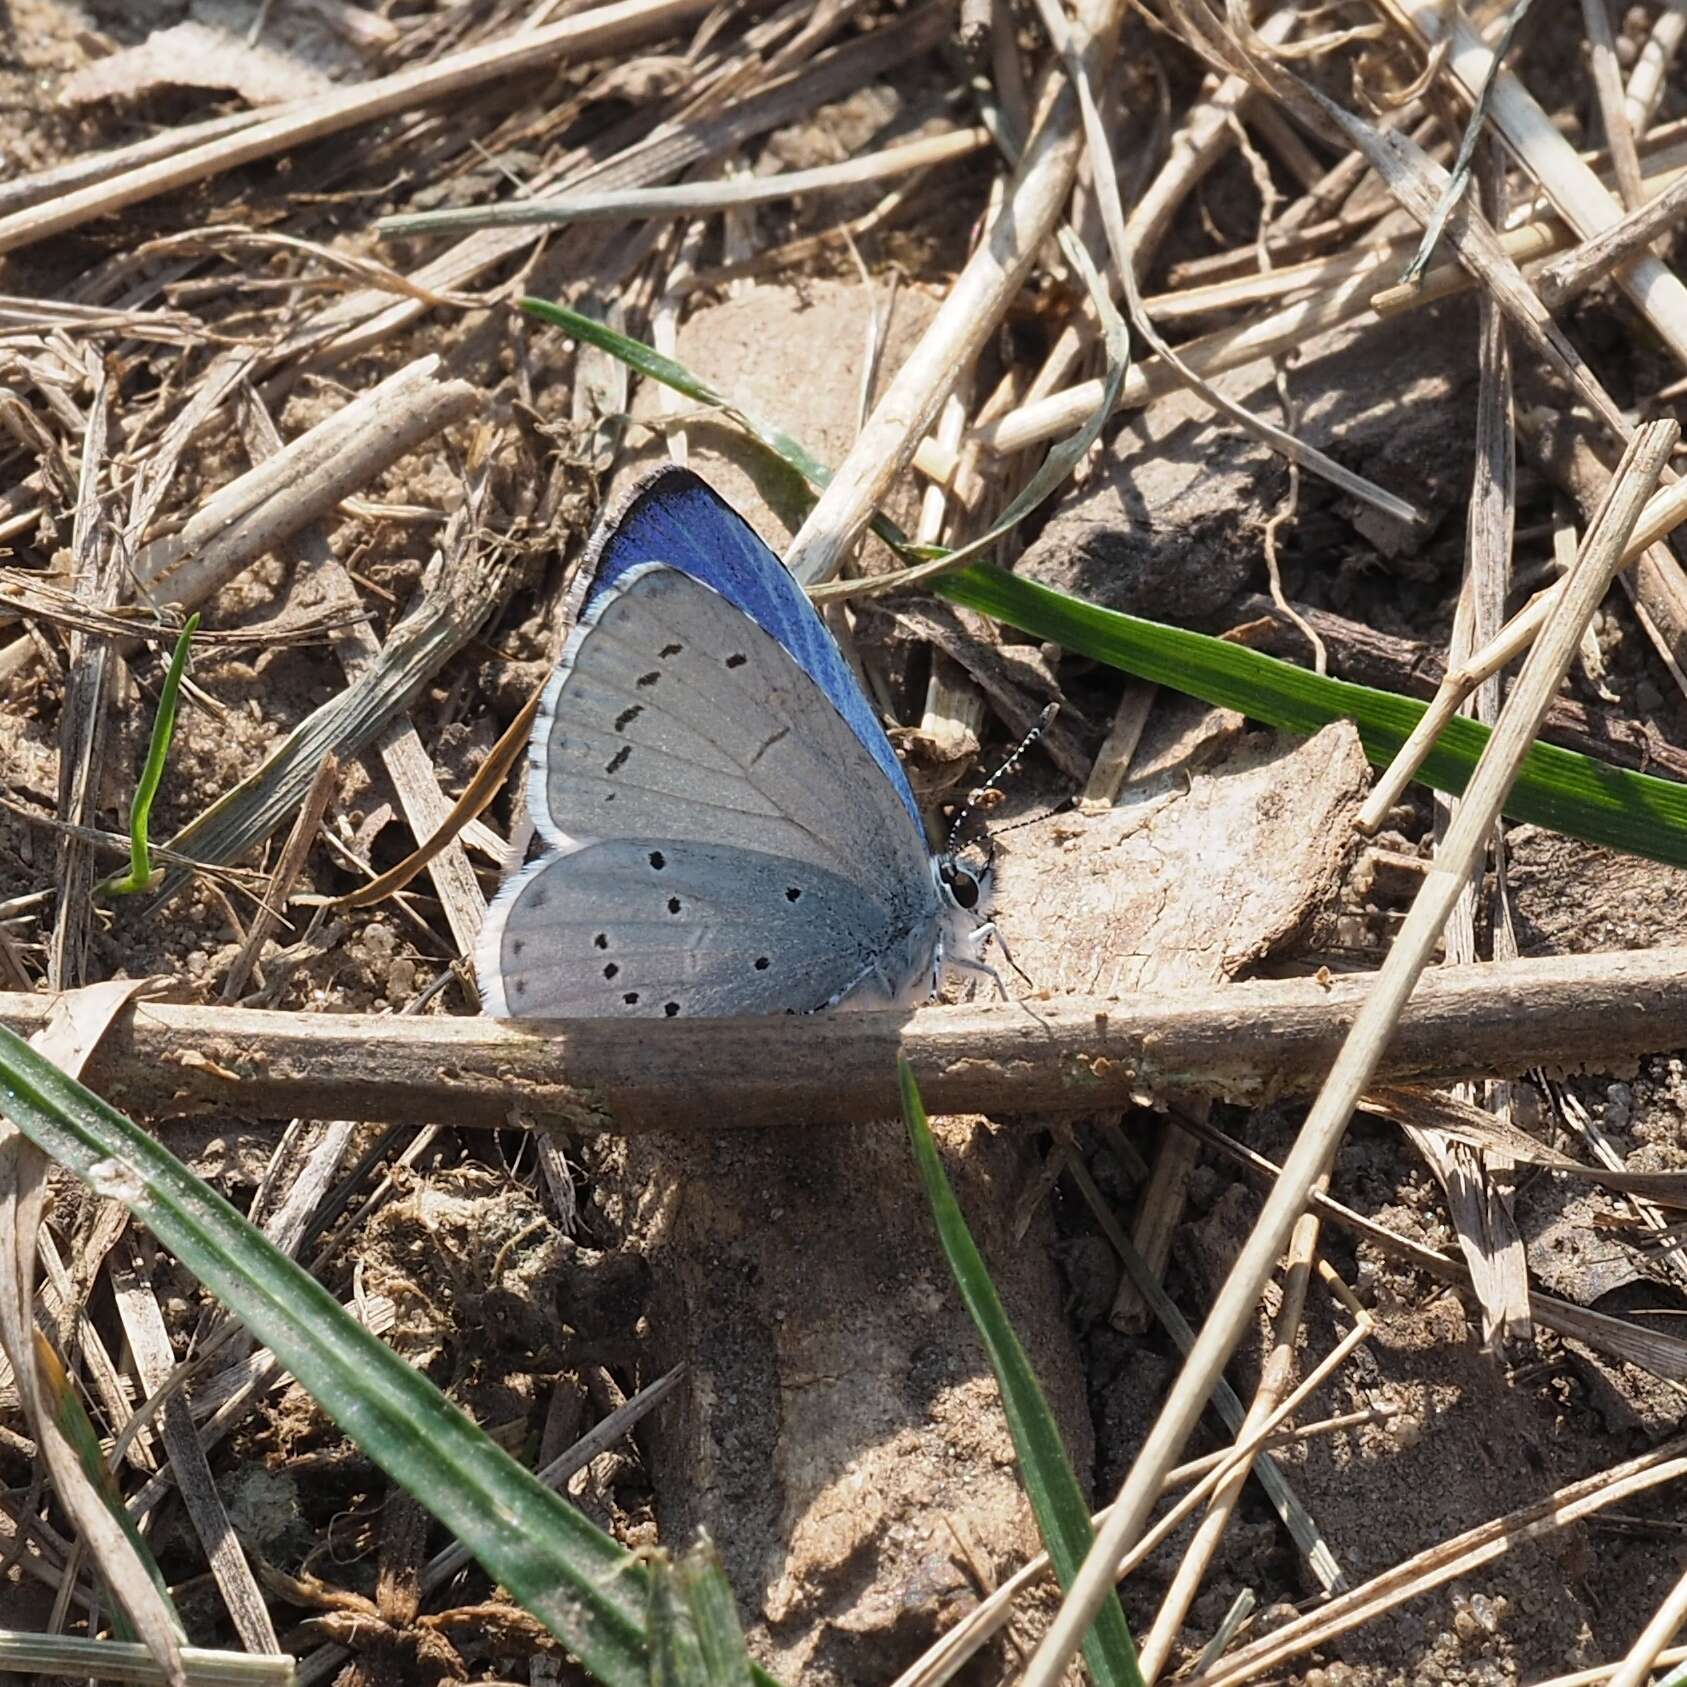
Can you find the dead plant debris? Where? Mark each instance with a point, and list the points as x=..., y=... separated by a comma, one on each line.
x=225, y=388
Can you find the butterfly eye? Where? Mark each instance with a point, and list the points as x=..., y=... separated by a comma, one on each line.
x=962, y=886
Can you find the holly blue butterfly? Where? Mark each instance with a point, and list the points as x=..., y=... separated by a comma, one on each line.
x=727, y=829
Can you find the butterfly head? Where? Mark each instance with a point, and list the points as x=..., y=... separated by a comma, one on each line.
x=964, y=878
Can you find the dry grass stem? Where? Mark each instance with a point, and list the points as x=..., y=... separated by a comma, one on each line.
x=1125, y=260
x=1301, y=1526
x=1603, y=1672
x=462, y=588
x=1608, y=88
x=1113, y=760
x=1205, y=136
x=954, y=712
x=692, y=199
x=477, y=794
x=26, y=597
x=964, y=1640
x=1645, y=1203
x=40, y=186
x=1649, y=77
x=289, y=864
x=1476, y=1181
x=1574, y=271
x=148, y=1339
x=1663, y=513
x=1266, y=1408
x=1341, y=288
x=1569, y=183
x=1249, y=1043
x=1159, y=1214
x=601, y=30
x=87, y=715
x=261, y=509
x=1442, y=1563
x=1644, y=1346
x=968, y=316
x=401, y=750
x=1542, y=674
x=713, y=123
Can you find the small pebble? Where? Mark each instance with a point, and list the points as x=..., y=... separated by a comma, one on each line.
x=1406, y=1430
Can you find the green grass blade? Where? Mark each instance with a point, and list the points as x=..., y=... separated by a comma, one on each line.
x=140, y=876
x=646, y=360
x=586, y=1590
x=695, y=1640
x=76, y=1656
x=1062, y=1516
x=73, y=1423
x=1557, y=788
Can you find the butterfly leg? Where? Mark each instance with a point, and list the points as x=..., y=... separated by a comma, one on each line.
x=965, y=963
x=982, y=935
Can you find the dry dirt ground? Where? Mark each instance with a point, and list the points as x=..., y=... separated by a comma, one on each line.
x=838, y=1432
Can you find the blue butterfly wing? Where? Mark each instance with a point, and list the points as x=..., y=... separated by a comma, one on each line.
x=721, y=842
x=673, y=517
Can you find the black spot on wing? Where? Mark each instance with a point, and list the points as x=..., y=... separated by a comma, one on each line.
x=670, y=1009
x=628, y=715
x=792, y=893
x=619, y=760
x=736, y=660
x=671, y=650
x=658, y=860
x=631, y=998
x=649, y=679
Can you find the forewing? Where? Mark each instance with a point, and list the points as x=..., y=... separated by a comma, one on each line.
x=673, y=517
x=653, y=929
x=673, y=715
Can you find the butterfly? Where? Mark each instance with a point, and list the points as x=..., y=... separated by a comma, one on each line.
x=726, y=827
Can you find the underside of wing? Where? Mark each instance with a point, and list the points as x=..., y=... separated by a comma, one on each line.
x=672, y=715
x=673, y=517
x=646, y=929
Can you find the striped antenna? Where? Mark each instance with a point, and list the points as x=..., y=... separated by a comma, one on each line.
x=1007, y=767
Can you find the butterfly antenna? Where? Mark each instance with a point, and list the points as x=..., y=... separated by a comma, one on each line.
x=1007, y=767
x=1065, y=803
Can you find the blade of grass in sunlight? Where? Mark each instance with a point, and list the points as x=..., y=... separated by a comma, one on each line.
x=695, y=1640
x=1558, y=788
x=1063, y=1517
x=75, y=1655
x=1564, y=790
x=72, y=1419
x=141, y=876
x=646, y=360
